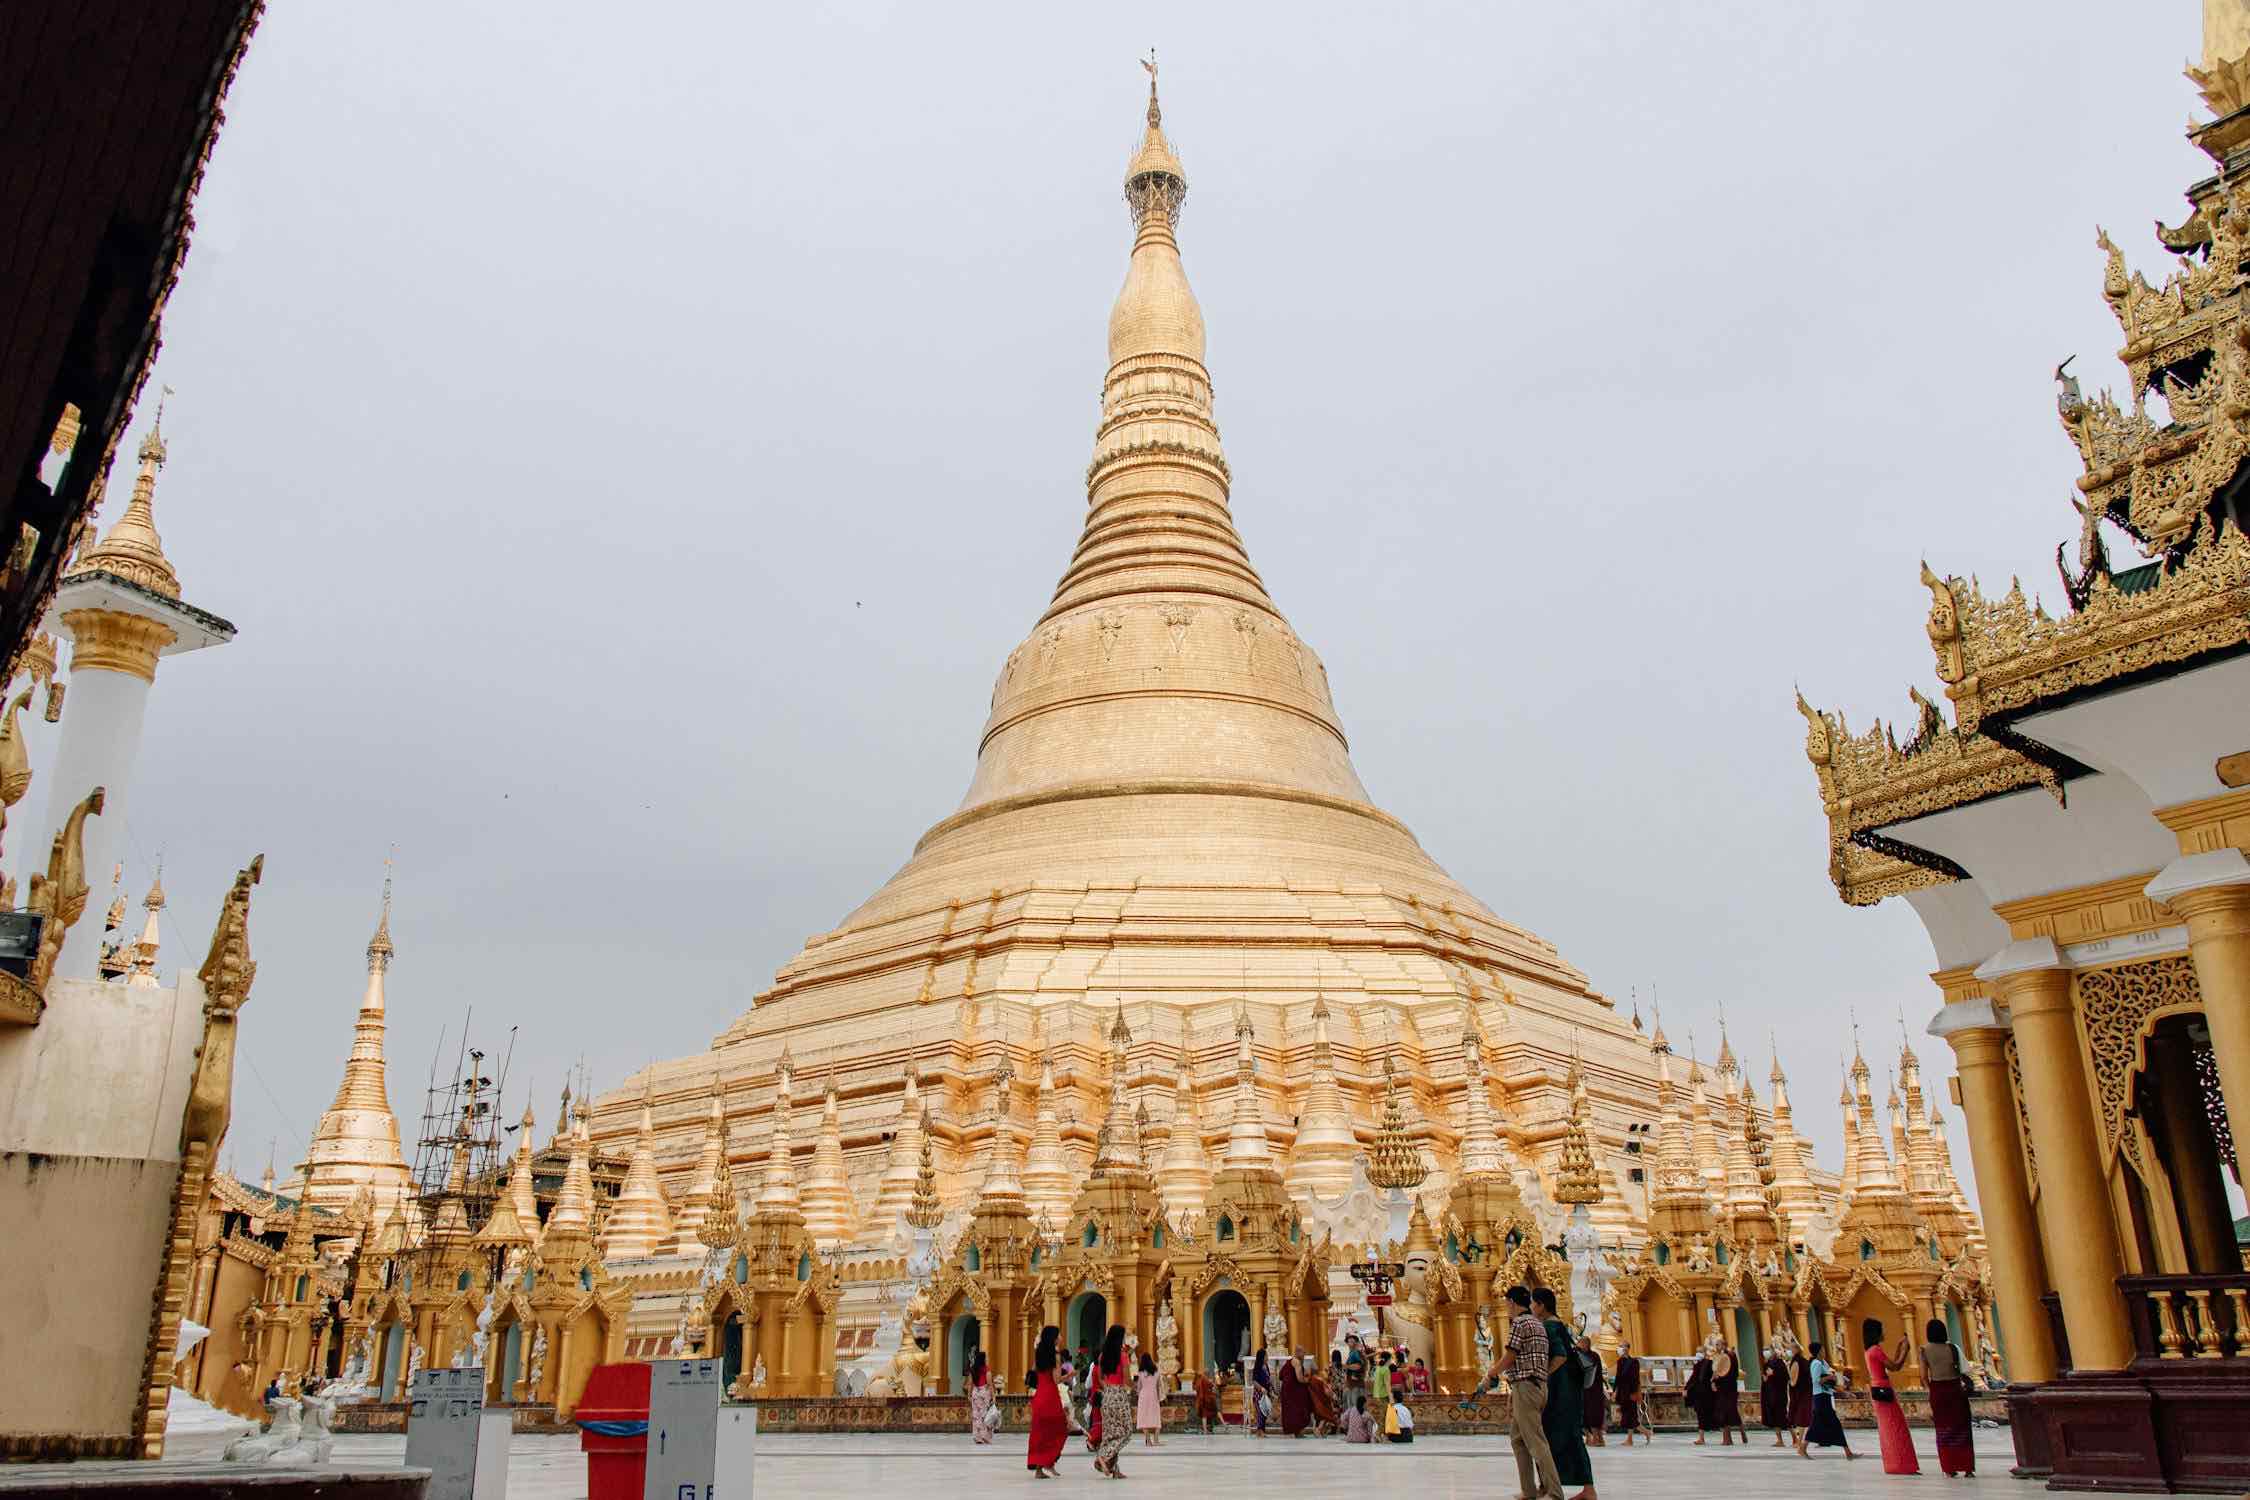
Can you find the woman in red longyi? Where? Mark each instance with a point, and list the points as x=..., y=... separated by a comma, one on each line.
x=1050, y=1424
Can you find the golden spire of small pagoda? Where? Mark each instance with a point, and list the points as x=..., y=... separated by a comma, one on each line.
x=1794, y=1191
x=132, y=550
x=1320, y=1159
x=829, y=1209
x=1003, y=1178
x=1481, y=1152
x=1576, y=1178
x=1117, y=1151
x=1184, y=1175
x=520, y=1184
x=780, y=1190
x=1247, y=1145
x=357, y=1139
x=1393, y=1162
x=640, y=1222
x=696, y=1202
x=1048, y=1182
x=895, y=1192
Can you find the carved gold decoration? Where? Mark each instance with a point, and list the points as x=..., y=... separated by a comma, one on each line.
x=2118, y=1007
x=2023, y=1118
x=15, y=758
x=60, y=894
x=226, y=977
x=108, y=641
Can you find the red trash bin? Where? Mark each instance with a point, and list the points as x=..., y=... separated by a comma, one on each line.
x=612, y=1420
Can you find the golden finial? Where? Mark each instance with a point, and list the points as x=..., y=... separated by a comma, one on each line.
x=379, y=950
x=1155, y=115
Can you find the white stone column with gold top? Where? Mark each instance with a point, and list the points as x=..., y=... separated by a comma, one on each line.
x=2030, y=977
x=2211, y=893
x=120, y=609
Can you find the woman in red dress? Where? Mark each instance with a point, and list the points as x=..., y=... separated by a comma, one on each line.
x=1890, y=1422
x=1050, y=1426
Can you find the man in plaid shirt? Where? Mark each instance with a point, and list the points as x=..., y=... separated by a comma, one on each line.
x=1525, y=1361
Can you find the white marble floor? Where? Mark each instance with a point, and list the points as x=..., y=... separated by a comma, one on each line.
x=1435, y=1468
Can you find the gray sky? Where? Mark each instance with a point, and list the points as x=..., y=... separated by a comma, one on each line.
x=630, y=449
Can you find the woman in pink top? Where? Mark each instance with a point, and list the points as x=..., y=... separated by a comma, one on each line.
x=1890, y=1422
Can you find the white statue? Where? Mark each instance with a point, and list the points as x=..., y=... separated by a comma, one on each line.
x=758, y=1375
x=1589, y=1269
x=414, y=1362
x=1484, y=1338
x=473, y=1352
x=283, y=1427
x=314, y=1440
x=1277, y=1333
x=1167, y=1343
x=538, y=1361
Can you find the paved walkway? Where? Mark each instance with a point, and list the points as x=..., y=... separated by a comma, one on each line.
x=1435, y=1468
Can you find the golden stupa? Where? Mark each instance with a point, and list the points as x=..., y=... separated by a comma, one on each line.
x=1163, y=816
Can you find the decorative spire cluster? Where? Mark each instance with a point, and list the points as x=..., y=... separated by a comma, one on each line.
x=1394, y=1163
x=1576, y=1179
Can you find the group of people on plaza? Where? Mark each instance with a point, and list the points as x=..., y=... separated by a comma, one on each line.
x=1559, y=1405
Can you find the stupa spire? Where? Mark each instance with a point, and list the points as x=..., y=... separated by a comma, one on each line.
x=1117, y=1151
x=1320, y=1161
x=640, y=1222
x=830, y=1213
x=146, y=946
x=1247, y=1145
x=1481, y=1151
x=520, y=1186
x=1048, y=1182
x=357, y=1140
x=895, y=1192
x=1184, y=1177
x=1003, y=1179
x=697, y=1204
x=780, y=1190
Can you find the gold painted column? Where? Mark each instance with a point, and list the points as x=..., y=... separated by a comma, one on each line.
x=2031, y=981
x=2011, y=1225
x=2211, y=893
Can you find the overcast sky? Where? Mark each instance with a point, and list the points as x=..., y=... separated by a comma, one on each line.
x=630, y=447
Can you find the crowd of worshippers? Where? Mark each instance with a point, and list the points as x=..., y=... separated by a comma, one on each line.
x=1560, y=1402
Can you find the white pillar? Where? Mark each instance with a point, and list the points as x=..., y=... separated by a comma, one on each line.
x=101, y=738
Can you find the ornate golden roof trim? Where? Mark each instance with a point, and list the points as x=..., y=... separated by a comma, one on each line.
x=2003, y=656
x=1870, y=781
